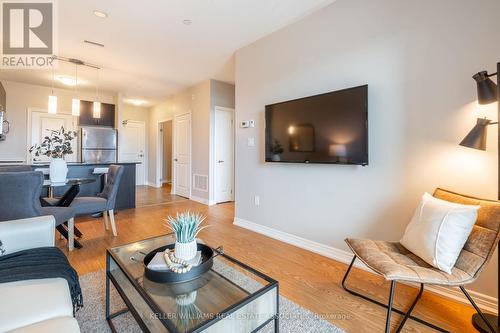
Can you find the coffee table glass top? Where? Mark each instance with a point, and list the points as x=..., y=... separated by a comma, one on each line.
x=190, y=305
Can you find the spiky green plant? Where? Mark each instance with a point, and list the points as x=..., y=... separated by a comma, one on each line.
x=186, y=226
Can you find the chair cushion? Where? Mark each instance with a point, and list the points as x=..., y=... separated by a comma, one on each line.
x=33, y=301
x=61, y=214
x=59, y=325
x=395, y=262
x=88, y=205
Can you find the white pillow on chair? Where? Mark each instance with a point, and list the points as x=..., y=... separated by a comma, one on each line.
x=438, y=231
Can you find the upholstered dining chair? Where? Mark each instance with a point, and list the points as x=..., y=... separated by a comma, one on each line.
x=20, y=198
x=396, y=264
x=104, y=202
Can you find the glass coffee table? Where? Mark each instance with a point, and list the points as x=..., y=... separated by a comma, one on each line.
x=230, y=297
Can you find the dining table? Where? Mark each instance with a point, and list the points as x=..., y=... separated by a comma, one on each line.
x=66, y=200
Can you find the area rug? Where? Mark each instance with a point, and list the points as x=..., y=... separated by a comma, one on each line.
x=91, y=317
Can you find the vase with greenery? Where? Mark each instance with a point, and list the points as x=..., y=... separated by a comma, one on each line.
x=56, y=146
x=276, y=150
x=186, y=227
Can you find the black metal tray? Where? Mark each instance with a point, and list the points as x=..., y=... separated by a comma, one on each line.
x=176, y=289
x=207, y=256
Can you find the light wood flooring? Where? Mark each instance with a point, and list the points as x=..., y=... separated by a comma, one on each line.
x=147, y=195
x=311, y=280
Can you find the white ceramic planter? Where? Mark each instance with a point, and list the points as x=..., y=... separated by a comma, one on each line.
x=186, y=251
x=58, y=170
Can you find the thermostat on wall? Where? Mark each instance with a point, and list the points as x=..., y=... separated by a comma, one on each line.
x=247, y=124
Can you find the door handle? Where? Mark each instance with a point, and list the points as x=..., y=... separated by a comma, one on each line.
x=220, y=161
x=141, y=155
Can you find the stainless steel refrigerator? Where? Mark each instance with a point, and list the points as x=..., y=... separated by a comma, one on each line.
x=98, y=145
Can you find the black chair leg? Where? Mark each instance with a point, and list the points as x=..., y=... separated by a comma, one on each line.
x=478, y=310
x=389, y=307
x=407, y=315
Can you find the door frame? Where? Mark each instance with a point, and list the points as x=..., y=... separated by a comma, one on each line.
x=145, y=164
x=29, y=131
x=159, y=153
x=174, y=152
x=213, y=162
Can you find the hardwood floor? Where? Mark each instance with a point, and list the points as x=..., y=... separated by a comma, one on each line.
x=311, y=280
x=147, y=195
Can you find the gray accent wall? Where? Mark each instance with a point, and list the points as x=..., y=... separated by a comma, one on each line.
x=417, y=58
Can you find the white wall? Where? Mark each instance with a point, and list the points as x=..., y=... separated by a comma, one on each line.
x=196, y=100
x=200, y=100
x=20, y=97
x=417, y=58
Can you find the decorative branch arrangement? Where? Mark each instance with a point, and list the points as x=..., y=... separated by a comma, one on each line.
x=55, y=145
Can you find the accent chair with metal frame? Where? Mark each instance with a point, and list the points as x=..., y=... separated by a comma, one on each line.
x=396, y=264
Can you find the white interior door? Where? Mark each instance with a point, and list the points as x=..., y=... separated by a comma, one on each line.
x=41, y=125
x=133, y=147
x=182, y=155
x=224, y=155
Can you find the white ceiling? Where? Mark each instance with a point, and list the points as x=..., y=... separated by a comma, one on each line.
x=149, y=53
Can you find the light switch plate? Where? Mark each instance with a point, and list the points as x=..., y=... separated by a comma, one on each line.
x=251, y=142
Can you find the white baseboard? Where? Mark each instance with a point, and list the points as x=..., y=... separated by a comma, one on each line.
x=485, y=302
x=303, y=243
x=152, y=184
x=202, y=200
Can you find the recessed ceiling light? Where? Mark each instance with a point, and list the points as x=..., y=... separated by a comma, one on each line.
x=66, y=80
x=136, y=102
x=100, y=14
x=187, y=22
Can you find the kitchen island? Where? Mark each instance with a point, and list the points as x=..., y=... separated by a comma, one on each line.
x=126, y=191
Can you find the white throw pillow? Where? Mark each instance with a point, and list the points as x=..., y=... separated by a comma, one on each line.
x=438, y=231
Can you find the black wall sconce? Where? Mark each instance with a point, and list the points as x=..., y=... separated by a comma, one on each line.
x=487, y=92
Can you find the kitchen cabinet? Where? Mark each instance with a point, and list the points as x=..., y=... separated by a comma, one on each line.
x=86, y=115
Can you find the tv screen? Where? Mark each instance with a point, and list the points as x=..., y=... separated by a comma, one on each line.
x=326, y=128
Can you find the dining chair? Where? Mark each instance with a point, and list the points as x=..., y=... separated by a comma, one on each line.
x=20, y=198
x=396, y=264
x=103, y=202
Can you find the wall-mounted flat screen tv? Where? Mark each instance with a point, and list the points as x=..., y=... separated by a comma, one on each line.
x=326, y=128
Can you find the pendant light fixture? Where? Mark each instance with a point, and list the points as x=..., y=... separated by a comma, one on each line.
x=97, y=104
x=75, y=102
x=52, y=107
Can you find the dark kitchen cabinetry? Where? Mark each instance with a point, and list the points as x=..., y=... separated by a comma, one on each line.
x=86, y=115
